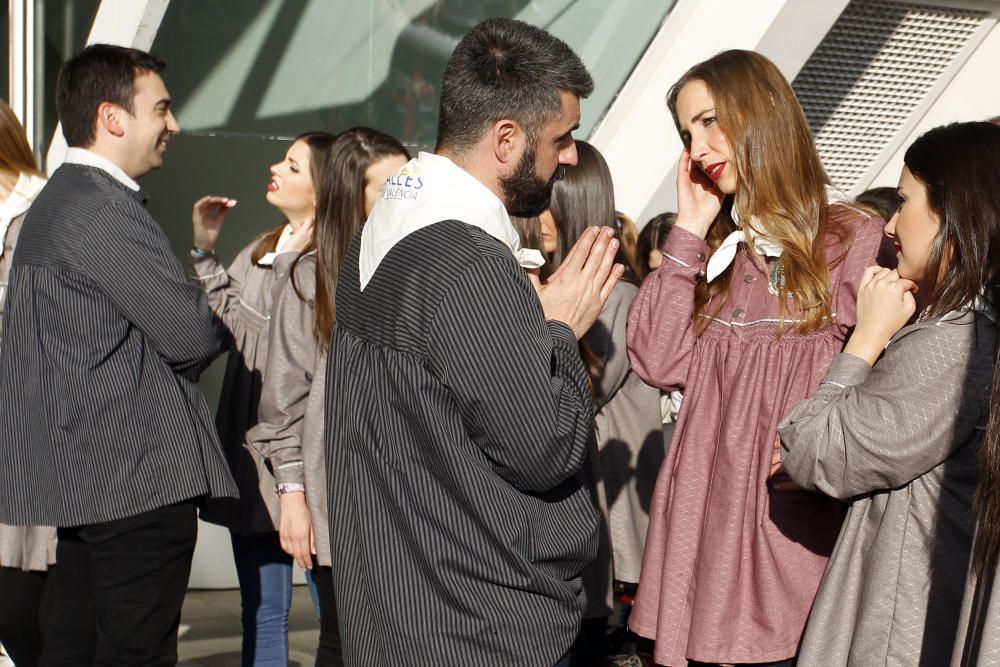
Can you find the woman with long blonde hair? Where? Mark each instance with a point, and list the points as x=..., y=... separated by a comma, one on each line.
x=755, y=296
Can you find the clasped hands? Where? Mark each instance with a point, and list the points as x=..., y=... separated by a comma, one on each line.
x=577, y=291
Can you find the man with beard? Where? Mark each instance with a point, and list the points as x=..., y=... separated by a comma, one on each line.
x=458, y=408
x=103, y=432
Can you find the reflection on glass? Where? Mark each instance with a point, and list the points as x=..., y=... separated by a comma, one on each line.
x=276, y=68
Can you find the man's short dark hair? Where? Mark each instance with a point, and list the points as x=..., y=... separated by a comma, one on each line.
x=99, y=73
x=506, y=69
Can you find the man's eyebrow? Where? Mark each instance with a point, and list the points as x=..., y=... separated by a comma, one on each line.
x=164, y=102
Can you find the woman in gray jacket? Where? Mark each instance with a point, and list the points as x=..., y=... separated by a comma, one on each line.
x=289, y=433
x=897, y=424
x=241, y=296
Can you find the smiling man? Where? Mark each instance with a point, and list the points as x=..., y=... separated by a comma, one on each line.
x=458, y=407
x=103, y=432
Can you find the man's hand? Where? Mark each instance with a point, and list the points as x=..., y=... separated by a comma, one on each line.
x=579, y=288
x=206, y=217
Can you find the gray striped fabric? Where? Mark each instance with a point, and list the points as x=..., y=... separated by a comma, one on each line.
x=103, y=340
x=457, y=426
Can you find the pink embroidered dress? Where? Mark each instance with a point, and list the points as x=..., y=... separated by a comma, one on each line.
x=731, y=566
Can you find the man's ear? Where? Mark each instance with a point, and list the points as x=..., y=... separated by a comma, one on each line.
x=110, y=117
x=508, y=141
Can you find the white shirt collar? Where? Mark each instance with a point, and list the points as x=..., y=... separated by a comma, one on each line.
x=268, y=258
x=77, y=155
x=427, y=190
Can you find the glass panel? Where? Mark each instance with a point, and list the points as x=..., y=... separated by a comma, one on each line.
x=66, y=27
x=276, y=68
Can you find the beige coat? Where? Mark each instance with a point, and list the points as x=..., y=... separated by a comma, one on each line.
x=289, y=433
x=899, y=441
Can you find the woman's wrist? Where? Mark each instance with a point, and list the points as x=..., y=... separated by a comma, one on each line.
x=696, y=227
x=866, y=346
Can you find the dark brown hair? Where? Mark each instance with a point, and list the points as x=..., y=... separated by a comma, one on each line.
x=770, y=139
x=585, y=197
x=959, y=165
x=99, y=73
x=15, y=153
x=530, y=232
x=652, y=237
x=883, y=202
x=506, y=69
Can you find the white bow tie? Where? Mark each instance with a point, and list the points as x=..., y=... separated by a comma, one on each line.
x=726, y=253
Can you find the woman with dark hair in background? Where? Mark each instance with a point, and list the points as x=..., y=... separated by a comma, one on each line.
x=289, y=433
x=242, y=296
x=902, y=415
x=882, y=201
x=651, y=239
x=754, y=298
x=27, y=553
x=627, y=411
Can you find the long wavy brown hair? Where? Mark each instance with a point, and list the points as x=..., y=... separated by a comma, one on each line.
x=15, y=153
x=781, y=182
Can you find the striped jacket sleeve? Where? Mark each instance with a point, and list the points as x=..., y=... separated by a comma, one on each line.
x=129, y=258
x=518, y=380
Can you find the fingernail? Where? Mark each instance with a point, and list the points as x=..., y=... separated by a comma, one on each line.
x=597, y=230
x=230, y=203
x=610, y=232
x=614, y=243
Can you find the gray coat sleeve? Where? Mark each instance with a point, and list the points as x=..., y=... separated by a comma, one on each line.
x=291, y=361
x=518, y=381
x=868, y=429
x=221, y=286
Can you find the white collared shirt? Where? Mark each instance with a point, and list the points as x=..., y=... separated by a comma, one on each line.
x=83, y=156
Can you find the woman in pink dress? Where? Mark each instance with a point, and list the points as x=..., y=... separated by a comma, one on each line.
x=755, y=296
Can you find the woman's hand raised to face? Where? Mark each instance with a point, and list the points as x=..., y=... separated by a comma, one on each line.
x=885, y=305
x=207, y=217
x=698, y=199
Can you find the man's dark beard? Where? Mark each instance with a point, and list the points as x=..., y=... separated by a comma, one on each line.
x=526, y=194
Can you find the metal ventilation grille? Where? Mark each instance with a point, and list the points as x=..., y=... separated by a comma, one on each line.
x=871, y=71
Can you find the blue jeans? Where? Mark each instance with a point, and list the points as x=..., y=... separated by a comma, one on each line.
x=265, y=575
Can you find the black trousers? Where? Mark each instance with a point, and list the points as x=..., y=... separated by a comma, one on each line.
x=119, y=590
x=25, y=604
x=329, y=653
